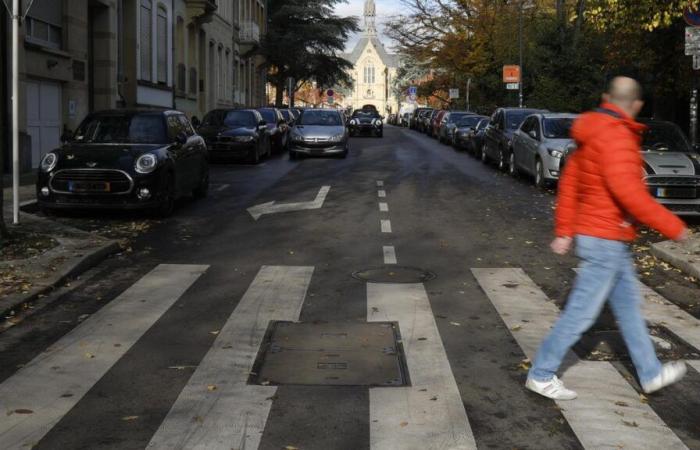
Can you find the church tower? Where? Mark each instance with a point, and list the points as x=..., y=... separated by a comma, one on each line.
x=370, y=16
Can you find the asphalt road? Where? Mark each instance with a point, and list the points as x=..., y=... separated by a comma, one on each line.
x=155, y=347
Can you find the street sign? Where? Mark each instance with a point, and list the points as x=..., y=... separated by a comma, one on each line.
x=512, y=86
x=692, y=17
x=412, y=98
x=692, y=41
x=412, y=91
x=331, y=100
x=330, y=93
x=454, y=93
x=511, y=74
x=696, y=62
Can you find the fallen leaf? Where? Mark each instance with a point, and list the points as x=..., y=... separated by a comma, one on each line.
x=211, y=387
x=621, y=404
x=403, y=424
x=643, y=398
x=422, y=339
x=129, y=418
x=511, y=285
x=457, y=324
x=291, y=447
x=23, y=411
x=215, y=332
x=433, y=399
x=89, y=355
x=630, y=424
x=516, y=328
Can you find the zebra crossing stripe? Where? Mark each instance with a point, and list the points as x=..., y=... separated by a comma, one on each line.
x=608, y=412
x=429, y=414
x=55, y=381
x=217, y=409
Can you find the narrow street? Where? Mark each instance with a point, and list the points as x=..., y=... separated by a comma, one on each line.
x=187, y=341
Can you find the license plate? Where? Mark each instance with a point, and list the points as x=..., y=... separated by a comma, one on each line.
x=676, y=192
x=93, y=186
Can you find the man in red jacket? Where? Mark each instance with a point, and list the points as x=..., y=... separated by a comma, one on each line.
x=601, y=195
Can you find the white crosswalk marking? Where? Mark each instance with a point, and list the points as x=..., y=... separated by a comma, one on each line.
x=217, y=409
x=608, y=412
x=55, y=381
x=429, y=414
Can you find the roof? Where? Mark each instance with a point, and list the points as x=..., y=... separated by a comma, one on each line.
x=389, y=59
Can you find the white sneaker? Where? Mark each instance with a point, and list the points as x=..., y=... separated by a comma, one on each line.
x=670, y=373
x=553, y=389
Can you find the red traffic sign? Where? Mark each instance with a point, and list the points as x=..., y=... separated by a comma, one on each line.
x=511, y=74
x=692, y=17
x=330, y=93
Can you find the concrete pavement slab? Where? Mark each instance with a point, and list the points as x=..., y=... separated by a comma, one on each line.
x=683, y=255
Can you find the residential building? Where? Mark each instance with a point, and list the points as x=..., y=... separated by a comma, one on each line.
x=374, y=69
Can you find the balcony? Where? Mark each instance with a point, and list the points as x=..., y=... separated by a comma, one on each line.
x=201, y=10
x=250, y=33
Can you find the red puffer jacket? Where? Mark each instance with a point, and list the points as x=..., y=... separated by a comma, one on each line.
x=602, y=191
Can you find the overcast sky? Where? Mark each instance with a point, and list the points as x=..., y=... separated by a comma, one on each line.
x=385, y=9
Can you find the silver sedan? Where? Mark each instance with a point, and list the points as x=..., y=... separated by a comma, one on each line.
x=319, y=132
x=539, y=144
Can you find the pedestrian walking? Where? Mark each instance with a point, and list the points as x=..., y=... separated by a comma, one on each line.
x=602, y=195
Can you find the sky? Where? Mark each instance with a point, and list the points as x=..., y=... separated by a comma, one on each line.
x=385, y=9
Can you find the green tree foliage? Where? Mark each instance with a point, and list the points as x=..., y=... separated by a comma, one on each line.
x=571, y=47
x=303, y=41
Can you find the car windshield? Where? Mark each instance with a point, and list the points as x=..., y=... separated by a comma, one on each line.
x=665, y=137
x=558, y=128
x=146, y=128
x=286, y=114
x=269, y=115
x=320, y=117
x=468, y=121
x=457, y=117
x=365, y=115
x=240, y=119
x=515, y=118
x=483, y=124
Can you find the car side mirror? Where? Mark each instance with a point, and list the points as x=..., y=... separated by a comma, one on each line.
x=67, y=136
x=181, y=138
x=532, y=134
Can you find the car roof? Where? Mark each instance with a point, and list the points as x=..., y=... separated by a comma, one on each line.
x=549, y=115
x=133, y=111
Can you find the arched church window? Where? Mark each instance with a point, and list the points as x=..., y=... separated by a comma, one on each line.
x=369, y=73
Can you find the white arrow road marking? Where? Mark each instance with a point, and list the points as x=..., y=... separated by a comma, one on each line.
x=608, y=412
x=55, y=381
x=429, y=414
x=218, y=410
x=258, y=211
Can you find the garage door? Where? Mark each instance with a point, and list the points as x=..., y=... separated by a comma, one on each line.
x=43, y=117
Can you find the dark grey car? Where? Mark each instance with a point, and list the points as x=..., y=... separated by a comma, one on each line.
x=319, y=132
x=468, y=133
x=449, y=125
x=498, y=138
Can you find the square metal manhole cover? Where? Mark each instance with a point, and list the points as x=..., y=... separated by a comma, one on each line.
x=608, y=345
x=341, y=354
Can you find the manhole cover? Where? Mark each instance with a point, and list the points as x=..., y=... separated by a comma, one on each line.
x=608, y=345
x=338, y=354
x=394, y=274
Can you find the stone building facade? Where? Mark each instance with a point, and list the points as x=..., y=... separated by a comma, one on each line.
x=78, y=56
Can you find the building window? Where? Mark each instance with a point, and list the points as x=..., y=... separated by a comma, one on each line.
x=145, y=36
x=162, y=44
x=229, y=83
x=369, y=74
x=43, y=25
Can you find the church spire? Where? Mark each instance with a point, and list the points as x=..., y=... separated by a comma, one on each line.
x=370, y=15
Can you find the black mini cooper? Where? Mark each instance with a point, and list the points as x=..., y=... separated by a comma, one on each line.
x=366, y=121
x=125, y=159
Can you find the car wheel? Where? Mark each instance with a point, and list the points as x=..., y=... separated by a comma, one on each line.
x=483, y=155
x=255, y=157
x=540, y=180
x=502, y=161
x=167, y=204
x=512, y=168
x=202, y=190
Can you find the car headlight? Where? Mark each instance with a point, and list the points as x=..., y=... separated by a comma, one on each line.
x=555, y=153
x=378, y=122
x=338, y=137
x=146, y=163
x=353, y=122
x=297, y=138
x=243, y=138
x=48, y=162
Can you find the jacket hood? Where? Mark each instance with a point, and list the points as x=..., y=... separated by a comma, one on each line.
x=589, y=125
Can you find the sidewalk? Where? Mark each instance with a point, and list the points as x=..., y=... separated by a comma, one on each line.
x=685, y=256
x=69, y=252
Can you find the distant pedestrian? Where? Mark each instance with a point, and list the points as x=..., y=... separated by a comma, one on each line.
x=601, y=194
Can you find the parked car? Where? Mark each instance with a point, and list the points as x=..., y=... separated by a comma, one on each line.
x=289, y=117
x=367, y=122
x=499, y=134
x=125, y=159
x=417, y=117
x=466, y=132
x=392, y=119
x=428, y=121
x=448, y=125
x=436, y=123
x=277, y=128
x=319, y=132
x=405, y=119
x=539, y=145
x=236, y=134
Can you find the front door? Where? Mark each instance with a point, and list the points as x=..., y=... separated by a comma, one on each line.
x=43, y=117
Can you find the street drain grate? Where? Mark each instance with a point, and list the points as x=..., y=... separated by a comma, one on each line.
x=608, y=345
x=394, y=274
x=331, y=354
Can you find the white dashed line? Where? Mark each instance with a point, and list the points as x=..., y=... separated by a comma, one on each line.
x=386, y=226
x=380, y=183
x=389, y=255
x=381, y=193
x=383, y=207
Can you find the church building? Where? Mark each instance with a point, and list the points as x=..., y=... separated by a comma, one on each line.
x=374, y=69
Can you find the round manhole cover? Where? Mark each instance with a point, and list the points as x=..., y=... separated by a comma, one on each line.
x=394, y=274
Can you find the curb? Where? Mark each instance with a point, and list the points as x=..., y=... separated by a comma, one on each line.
x=80, y=266
x=681, y=256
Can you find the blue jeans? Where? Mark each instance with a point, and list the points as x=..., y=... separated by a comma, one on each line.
x=606, y=273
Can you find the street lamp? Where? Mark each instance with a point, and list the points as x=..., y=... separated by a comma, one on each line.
x=523, y=4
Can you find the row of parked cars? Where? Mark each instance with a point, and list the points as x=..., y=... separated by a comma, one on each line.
x=537, y=143
x=147, y=159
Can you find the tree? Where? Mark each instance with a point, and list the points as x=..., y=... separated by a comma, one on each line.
x=304, y=41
